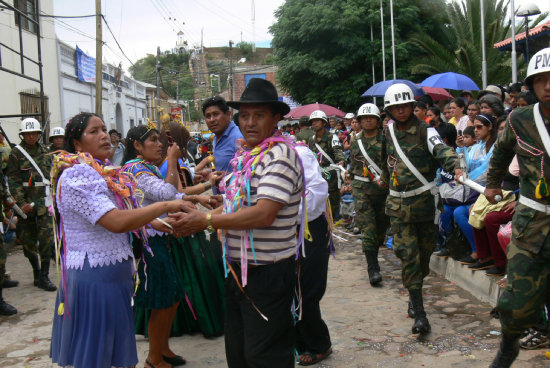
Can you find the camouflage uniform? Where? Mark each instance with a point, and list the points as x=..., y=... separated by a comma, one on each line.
x=412, y=218
x=370, y=199
x=522, y=302
x=37, y=228
x=336, y=153
x=305, y=134
x=3, y=255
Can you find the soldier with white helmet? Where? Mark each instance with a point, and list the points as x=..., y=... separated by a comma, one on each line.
x=330, y=155
x=526, y=137
x=347, y=120
x=57, y=135
x=413, y=153
x=366, y=161
x=28, y=173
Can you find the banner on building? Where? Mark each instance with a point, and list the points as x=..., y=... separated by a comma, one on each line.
x=289, y=101
x=85, y=66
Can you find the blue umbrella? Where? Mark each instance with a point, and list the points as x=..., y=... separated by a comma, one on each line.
x=379, y=89
x=450, y=80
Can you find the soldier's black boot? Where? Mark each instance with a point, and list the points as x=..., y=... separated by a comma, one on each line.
x=373, y=268
x=507, y=352
x=5, y=308
x=43, y=281
x=410, y=309
x=35, y=263
x=421, y=324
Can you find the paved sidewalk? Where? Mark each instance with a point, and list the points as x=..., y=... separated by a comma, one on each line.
x=369, y=326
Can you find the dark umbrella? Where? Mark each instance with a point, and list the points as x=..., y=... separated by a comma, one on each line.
x=450, y=80
x=379, y=89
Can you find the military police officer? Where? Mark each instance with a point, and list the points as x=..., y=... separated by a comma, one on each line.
x=57, y=135
x=365, y=164
x=526, y=136
x=331, y=158
x=28, y=173
x=305, y=130
x=414, y=152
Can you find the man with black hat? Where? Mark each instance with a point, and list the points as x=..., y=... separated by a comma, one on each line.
x=259, y=220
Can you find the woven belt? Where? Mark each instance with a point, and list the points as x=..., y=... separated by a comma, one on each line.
x=414, y=192
x=39, y=184
x=534, y=205
x=360, y=178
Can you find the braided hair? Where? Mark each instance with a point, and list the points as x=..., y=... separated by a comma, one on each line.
x=75, y=128
x=138, y=133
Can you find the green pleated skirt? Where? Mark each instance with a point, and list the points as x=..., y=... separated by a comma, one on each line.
x=203, y=282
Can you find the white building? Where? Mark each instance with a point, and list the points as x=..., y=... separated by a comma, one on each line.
x=17, y=94
x=124, y=102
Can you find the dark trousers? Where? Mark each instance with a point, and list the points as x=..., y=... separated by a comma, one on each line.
x=487, y=240
x=251, y=341
x=311, y=331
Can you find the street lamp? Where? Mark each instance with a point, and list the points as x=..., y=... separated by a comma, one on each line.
x=526, y=11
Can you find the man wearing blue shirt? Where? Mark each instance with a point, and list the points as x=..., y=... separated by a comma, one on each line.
x=218, y=119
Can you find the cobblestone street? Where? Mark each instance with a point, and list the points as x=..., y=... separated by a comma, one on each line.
x=369, y=326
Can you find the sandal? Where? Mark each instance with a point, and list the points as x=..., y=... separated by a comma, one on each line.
x=308, y=358
x=151, y=365
x=534, y=340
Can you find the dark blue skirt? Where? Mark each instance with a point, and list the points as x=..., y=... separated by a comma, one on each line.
x=97, y=329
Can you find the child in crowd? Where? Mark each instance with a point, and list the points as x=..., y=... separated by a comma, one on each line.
x=347, y=207
x=469, y=136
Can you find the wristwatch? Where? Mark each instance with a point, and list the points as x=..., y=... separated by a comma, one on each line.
x=209, y=226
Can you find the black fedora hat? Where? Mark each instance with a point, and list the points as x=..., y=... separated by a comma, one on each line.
x=261, y=91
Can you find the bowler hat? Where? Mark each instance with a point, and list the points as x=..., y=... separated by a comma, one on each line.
x=261, y=91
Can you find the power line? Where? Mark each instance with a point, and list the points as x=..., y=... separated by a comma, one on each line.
x=114, y=38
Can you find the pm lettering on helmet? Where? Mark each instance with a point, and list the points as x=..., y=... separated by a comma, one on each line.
x=405, y=96
x=433, y=139
x=29, y=125
x=544, y=58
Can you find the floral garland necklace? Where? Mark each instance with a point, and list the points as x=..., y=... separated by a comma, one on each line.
x=237, y=190
x=122, y=186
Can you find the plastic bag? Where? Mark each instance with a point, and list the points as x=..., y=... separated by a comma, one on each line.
x=504, y=235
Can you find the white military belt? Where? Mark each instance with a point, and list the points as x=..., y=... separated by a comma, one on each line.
x=360, y=178
x=414, y=192
x=39, y=184
x=534, y=205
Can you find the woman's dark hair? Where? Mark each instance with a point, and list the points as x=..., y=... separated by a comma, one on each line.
x=447, y=132
x=494, y=103
x=528, y=96
x=138, y=133
x=427, y=99
x=489, y=120
x=75, y=128
x=179, y=134
x=436, y=111
x=459, y=102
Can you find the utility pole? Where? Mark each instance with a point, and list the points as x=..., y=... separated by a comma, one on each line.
x=158, y=87
x=98, y=60
x=231, y=70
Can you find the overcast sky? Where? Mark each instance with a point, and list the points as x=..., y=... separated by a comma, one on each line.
x=142, y=25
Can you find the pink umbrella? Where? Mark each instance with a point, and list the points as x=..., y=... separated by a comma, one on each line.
x=437, y=93
x=306, y=110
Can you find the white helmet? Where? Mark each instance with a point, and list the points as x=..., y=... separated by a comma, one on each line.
x=539, y=63
x=29, y=125
x=57, y=132
x=368, y=109
x=318, y=114
x=349, y=115
x=398, y=94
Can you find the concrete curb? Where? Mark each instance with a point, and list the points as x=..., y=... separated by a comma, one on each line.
x=477, y=283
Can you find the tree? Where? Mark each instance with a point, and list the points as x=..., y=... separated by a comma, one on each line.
x=324, y=52
x=459, y=48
